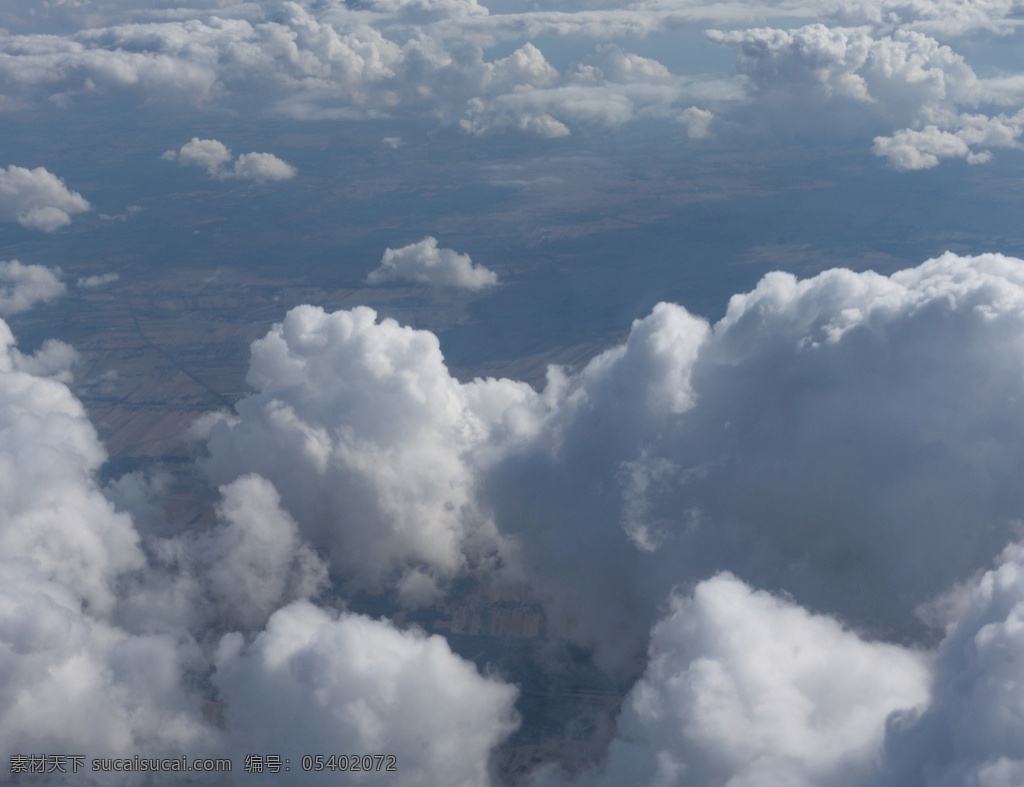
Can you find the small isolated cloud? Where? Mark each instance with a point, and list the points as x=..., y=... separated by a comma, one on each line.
x=23, y=286
x=129, y=211
x=696, y=121
x=425, y=263
x=37, y=199
x=99, y=280
x=215, y=157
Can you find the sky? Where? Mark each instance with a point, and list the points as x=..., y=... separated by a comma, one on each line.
x=696, y=326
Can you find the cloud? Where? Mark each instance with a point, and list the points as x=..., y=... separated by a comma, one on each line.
x=345, y=684
x=97, y=280
x=906, y=79
x=371, y=443
x=255, y=562
x=940, y=18
x=112, y=642
x=910, y=150
x=696, y=121
x=37, y=199
x=812, y=441
x=743, y=688
x=971, y=731
x=23, y=286
x=75, y=681
x=425, y=263
x=214, y=156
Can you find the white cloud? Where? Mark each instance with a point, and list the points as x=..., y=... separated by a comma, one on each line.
x=254, y=562
x=743, y=688
x=369, y=441
x=811, y=441
x=51, y=513
x=346, y=684
x=908, y=149
x=97, y=280
x=23, y=286
x=972, y=731
x=106, y=653
x=261, y=167
x=214, y=156
x=37, y=199
x=696, y=121
x=906, y=79
x=943, y=18
x=425, y=263
x=74, y=681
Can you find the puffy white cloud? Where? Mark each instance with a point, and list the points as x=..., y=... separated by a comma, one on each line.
x=908, y=149
x=261, y=167
x=254, y=562
x=103, y=652
x=51, y=512
x=37, y=199
x=74, y=681
x=23, y=286
x=214, y=156
x=612, y=63
x=852, y=439
x=972, y=731
x=425, y=263
x=743, y=688
x=935, y=17
x=75, y=684
x=904, y=79
x=370, y=442
x=346, y=684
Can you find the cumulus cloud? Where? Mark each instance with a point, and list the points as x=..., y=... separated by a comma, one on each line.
x=112, y=644
x=255, y=562
x=75, y=681
x=906, y=78
x=425, y=263
x=23, y=286
x=813, y=441
x=908, y=149
x=37, y=199
x=214, y=157
x=972, y=731
x=369, y=441
x=831, y=457
x=743, y=688
x=320, y=682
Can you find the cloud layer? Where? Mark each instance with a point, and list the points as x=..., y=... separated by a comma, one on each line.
x=838, y=450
